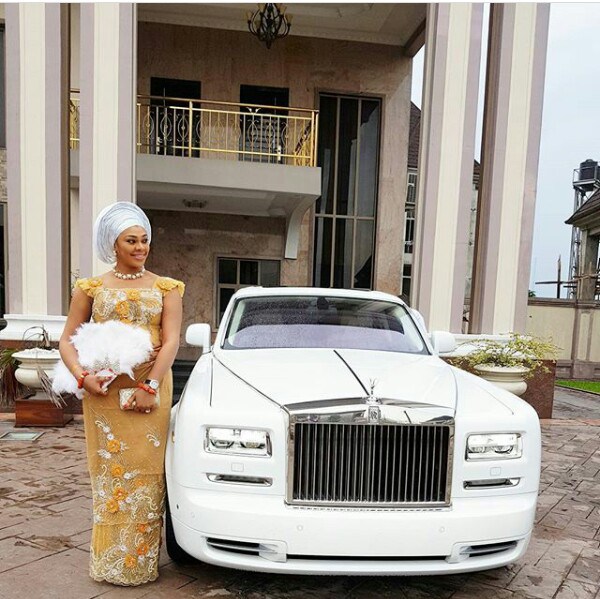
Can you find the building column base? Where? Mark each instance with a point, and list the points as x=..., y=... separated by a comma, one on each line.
x=18, y=325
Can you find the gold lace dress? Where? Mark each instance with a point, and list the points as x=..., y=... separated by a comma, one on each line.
x=126, y=449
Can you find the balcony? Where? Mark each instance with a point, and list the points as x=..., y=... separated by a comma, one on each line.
x=223, y=157
x=222, y=130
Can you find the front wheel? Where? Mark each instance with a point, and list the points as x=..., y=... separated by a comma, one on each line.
x=176, y=553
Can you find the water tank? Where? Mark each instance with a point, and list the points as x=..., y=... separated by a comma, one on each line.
x=587, y=174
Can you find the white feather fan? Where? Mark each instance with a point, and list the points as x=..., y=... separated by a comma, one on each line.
x=111, y=346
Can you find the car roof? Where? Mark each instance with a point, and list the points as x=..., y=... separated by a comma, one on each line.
x=316, y=291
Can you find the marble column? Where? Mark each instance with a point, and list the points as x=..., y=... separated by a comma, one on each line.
x=586, y=285
x=510, y=153
x=446, y=154
x=37, y=164
x=107, y=117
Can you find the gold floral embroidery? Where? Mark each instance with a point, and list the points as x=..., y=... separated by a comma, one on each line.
x=165, y=284
x=89, y=286
x=142, y=527
x=133, y=295
x=128, y=494
x=120, y=494
x=116, y=304
x=131, y=560
x=153, y=437
x=113, y=446
x=117, y=470
x=122, y=309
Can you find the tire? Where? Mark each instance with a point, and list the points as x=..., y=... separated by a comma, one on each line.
x=176, y=553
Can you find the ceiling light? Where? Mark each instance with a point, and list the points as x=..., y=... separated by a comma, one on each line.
x=269, y=23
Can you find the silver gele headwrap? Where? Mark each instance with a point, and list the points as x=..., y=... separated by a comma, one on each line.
x=111, y=222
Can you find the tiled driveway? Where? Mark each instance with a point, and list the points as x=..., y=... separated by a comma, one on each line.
x=45, y=531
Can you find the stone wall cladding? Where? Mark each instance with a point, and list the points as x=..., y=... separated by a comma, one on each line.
x=3, y=192
x=223, y=60
x=186, y=245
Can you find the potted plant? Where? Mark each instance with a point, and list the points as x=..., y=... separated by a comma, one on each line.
x=509, y=363
x=10, y=388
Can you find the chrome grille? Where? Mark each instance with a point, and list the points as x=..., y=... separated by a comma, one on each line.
x=358, y=464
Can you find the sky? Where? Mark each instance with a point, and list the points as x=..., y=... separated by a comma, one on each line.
x=570, y=131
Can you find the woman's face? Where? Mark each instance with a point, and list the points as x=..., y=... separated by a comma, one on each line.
x=132, y=247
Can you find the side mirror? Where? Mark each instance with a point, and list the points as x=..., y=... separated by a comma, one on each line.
x=443, y=342
x=199, y=336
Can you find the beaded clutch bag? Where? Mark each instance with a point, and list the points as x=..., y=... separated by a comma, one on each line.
x=125, y=398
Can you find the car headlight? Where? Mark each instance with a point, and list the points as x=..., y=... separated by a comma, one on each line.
x=494, y=446
x=238, y=441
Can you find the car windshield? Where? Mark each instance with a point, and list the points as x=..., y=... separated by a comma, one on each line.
x=322, y=322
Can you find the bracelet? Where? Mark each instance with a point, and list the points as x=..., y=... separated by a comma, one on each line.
x=147, y=388
x=81, y=379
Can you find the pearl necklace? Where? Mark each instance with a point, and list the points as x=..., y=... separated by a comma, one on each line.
x=124, y=276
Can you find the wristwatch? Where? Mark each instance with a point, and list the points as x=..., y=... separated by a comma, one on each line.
x=152, y=383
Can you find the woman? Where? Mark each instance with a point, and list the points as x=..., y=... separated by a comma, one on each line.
x=126, y=448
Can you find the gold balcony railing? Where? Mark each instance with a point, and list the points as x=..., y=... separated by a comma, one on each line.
x=223, y=130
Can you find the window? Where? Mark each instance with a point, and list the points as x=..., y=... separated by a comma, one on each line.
x=348, y=155
x=409, y=230
x=411, y=188
x=322, y=322
x=406, y=281
x=233, y=274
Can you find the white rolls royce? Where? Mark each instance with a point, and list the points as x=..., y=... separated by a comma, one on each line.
x=322, y=434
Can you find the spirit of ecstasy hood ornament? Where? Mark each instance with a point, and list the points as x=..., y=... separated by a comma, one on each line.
x=371, y=399
x=373, y=412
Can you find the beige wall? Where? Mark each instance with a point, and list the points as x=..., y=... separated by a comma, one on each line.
x=186, y=246
x=222, y=60
x=574, y=328
x=555, y=323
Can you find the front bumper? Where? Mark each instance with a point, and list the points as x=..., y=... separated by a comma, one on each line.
x=262, y=533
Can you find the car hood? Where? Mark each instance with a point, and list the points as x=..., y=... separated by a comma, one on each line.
x=302, y=376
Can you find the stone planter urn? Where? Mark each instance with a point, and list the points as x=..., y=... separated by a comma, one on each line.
x=27, y=371
x=511, y=378
x=37, y=410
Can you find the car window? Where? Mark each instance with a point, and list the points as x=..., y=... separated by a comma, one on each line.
x=322, y=322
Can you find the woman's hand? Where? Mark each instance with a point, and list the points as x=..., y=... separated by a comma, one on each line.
x=154, y=353
x=142, y=401
x=93, y=384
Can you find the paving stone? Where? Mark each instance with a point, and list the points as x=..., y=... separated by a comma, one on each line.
x=585, y=529
x=571, y=589
x=16, y=552
x=561, y=556
x=556, y=520
x=45, y=526
x=59, y=576
x=586, y=569
x=476, y=590
x=536, y=582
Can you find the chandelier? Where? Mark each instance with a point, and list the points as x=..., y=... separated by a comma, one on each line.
x=269, y=23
